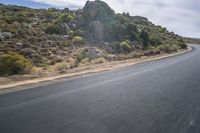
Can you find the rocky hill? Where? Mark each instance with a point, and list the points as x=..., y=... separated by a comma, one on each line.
x=49, y=36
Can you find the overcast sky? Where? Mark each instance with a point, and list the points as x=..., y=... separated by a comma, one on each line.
x=180, y=16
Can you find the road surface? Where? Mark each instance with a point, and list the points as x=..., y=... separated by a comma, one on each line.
x=154, y=97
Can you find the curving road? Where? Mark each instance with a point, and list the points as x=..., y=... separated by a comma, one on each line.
x=155, y=97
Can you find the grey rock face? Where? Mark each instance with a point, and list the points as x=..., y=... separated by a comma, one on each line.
x=80, y=21
x=96, y=28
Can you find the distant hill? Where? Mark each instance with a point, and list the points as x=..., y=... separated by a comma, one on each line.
x=49, y=36
x=191, y=40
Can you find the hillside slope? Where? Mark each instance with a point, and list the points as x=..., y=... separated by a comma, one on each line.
x=94, y=34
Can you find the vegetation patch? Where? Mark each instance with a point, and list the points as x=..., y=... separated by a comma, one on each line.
x=79, y=40
x=11, y=64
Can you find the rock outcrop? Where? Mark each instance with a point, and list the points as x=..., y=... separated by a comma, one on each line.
x=97, y=14
x=97, y=10
x=93, y=53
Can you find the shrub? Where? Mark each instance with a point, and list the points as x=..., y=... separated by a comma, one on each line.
x=79, y=40
x=63, y=66
x=80, y=57
x=15, y=18
x=174, y=48
x=155, y=41
x=65, y=17
x=135, y=54
x=11, y=64
x=162, y=48
x=167, y=48
x=125, y=46
x=116, y=47
x=78, y=33
x=67, y=42
x=144, y=38
x=133, y=36
x=122, y=57
x=52, y=29
x=99, y=60
x=121, y=47
x=183, y=45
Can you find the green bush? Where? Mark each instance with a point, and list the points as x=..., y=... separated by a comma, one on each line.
x=135, y=54
x=62, y=67
x=174, y=48
x=163, y=48
x=155, y=41
x=99, y=60
x=167, y=48
x=79, y=40
x=144, y=38
x=125, y=46
x=11, y=64
x=183, y=45
x=52, y=29
x=55, y=28
x=79, y=58
x=121, y=57
x=65, y=17
x=15, y=18
x=78, y=32
x=121, y=47
x=116, y=47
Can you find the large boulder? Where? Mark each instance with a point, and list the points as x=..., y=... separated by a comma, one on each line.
x=7, y=34
x=93, y=53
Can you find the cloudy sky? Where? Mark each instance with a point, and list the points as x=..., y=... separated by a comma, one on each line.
x=180, y=16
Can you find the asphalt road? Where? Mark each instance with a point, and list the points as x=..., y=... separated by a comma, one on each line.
x=154, y=97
